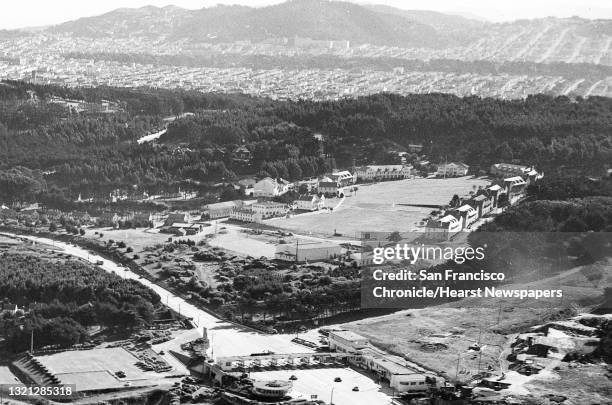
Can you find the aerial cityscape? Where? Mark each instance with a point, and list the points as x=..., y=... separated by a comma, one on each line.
x=310, y=202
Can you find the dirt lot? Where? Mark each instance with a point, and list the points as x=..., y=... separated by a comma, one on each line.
x=440, y=337
x=580, y=383
x=377, y=207
x=137, y=239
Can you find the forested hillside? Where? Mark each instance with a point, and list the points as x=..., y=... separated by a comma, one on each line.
x=567, y=221
x=94, y=153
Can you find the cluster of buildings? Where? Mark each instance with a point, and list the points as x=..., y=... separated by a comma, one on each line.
x=260, y=210
x=401, y=375
x=505, y=191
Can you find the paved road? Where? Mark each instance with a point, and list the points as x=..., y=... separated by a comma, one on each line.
x=228, y=339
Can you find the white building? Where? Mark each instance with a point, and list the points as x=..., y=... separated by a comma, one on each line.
x=346, y=341
x=310, y=202
x=328, y=188
x=224, y=209
x=452, y=169
x=269, y=209
x=343, y=178
x=268, y=187
x=246, y=215
x=383, y=172
x=311, y=251
x=483, y=204
x=401, y=376
x=507, y=170
x=515, y=185
x=443, y=228
x=468, y=214
x=395, y=370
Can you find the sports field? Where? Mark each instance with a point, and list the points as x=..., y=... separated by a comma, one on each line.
x=378, y=207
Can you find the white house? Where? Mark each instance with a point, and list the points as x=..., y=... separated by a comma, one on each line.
x=268, y=187
x=310, y=202
x=496, y=190
x=328, y=188
x=483, y=204
x=443, y=228
x=452, y=169
x=343, y=178
x=468, y=214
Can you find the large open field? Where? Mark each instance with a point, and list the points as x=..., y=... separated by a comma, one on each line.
x=377, y=207
x=94, y=369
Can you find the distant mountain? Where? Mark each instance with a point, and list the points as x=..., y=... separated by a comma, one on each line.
x=571, y=40
x=146, y=21
x=316, y=19
x=320, y=19
x=436, y=19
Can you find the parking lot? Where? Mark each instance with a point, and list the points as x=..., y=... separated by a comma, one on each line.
x=320, y=382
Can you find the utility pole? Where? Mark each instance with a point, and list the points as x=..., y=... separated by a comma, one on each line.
x=32, y=342
x=457, y=369
x=297, y=245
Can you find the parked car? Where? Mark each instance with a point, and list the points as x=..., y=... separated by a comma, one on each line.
x=337, y=379
x=293, y=378
x=355, y=388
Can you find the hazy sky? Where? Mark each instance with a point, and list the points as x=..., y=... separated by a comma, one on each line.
x=28, y=13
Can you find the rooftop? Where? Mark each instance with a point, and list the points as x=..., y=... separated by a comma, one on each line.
x=347, y=335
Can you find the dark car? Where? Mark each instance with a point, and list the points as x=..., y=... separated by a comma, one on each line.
x=337, y=379
x=355, y=388
x=293, y=378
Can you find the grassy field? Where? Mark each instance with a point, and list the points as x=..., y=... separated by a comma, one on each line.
x=377, y=207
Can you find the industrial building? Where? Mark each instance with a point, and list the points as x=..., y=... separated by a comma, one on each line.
x=307, y=251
